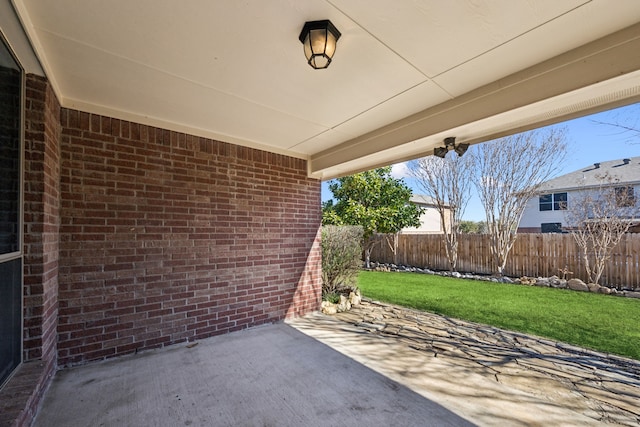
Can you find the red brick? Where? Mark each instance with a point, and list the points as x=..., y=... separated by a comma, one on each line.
x=162, y=236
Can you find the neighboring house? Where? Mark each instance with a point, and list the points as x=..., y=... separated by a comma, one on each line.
x=546, y=213
x=430, y=218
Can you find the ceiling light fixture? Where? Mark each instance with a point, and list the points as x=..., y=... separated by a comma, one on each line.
x=319, y=39
x=450, y=144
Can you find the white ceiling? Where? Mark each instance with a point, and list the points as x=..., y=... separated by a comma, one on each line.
x=406, y=73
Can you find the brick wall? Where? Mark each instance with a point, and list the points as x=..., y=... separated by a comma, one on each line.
x=41, y=219
x=41, y=226
x=167, y=237
x=137, y=237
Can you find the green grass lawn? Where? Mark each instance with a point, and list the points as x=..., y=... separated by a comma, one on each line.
x=604, y=323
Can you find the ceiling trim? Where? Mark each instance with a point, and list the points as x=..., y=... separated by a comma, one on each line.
x=580, y=68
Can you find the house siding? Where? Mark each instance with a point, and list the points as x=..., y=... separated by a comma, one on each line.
x=607, y=174
x=532, y=216
x=429, y=222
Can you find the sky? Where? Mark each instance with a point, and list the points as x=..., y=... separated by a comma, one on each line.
x=590, y=140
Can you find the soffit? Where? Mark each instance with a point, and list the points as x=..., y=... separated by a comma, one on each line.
x=235, y=70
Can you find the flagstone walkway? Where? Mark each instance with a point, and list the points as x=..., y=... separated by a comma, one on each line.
x=487, y=375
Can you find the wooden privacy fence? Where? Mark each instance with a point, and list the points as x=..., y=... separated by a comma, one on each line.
x=533, y=255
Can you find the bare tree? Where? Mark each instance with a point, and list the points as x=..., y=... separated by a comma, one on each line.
x=597, y=218
x=448, y=182
x=392, y=242
x=626, y=122
x=508, y=172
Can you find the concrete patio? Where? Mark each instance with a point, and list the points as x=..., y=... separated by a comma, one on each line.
x=376, y=365
x=266, y=376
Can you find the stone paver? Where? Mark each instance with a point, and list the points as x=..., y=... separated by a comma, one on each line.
x=488, y=375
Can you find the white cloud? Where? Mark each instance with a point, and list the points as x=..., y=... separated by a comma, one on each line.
x=400, y=170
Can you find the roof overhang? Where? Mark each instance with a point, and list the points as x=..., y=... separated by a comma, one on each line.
x=406, y=74
x=595, y=77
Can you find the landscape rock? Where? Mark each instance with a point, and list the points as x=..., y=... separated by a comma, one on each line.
x=556, y=282
x=542, y=281
x=594, y=287
x=355, y=298
x=577, y=285
x=562, y=284
x=552, y=281
x=329, y=307
x=344, y=304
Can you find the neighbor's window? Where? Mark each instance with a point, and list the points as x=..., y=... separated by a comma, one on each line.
x=556, y=202
x=546, y=202
x=625, y=197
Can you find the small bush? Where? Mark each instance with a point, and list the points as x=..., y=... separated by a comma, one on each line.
x=341, y=257
x=331, y=297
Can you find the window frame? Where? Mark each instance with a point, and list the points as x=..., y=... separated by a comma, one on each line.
x=15, y=259
x=8, y=256
x=545, y=200
x=560, y=201
x=553, y=202
x=629, y=199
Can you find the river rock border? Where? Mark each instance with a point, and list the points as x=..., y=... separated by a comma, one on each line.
x=345, y=304
x=548, y=282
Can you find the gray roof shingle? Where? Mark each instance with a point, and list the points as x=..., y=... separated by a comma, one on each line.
x=622, y=171
x=421, y=199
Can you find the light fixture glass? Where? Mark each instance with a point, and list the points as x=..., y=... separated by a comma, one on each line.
x=319, y=39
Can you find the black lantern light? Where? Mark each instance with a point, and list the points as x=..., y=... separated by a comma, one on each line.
x=319, y=39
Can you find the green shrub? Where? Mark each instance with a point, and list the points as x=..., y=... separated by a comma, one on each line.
x=341, y=257
x=332, y=297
